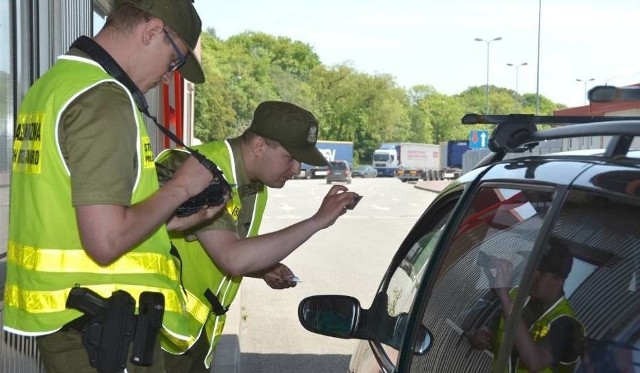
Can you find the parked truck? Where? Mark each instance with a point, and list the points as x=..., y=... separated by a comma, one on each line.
x=332, y=151
x=416, y=161
x=385, y=159
x=451, y=153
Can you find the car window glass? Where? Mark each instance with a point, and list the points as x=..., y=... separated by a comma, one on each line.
x=380, y=157
x=601, y=235
x=400, y=291
x=338, y=165
x=500, y=223
x=582, y=304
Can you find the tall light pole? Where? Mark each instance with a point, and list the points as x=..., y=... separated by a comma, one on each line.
x=538, y=63
x=585, y=81
x=517, y=67
x=488, y=42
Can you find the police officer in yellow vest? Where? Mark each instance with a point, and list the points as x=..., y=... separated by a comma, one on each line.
x=549, y=337
x=85, y=205
x=267, y=154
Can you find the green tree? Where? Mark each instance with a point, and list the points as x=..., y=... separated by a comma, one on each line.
x=445, y=113
x=360, y=108
x=366, y=109
x=294, y=57
x=214, y=114
x=547, y=107
x=420, y=118
x=243, y=71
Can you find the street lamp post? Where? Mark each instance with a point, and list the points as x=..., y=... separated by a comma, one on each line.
x=585, y=81
x=517, y=67
x=538, y=62
x=488, y=42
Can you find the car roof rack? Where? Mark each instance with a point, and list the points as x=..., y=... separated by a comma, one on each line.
x=517, y=133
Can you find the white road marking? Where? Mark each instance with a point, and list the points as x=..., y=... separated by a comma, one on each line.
x=380, y=207
x=286, y=207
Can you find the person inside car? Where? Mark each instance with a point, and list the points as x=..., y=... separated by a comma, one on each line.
x=549, y=337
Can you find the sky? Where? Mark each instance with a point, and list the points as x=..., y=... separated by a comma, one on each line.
x=432, y=42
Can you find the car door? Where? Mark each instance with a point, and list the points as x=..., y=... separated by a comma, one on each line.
x=398, y=288
x=599, y=225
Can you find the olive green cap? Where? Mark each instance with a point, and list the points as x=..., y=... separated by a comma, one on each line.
x=295, y=128
x=181, y=17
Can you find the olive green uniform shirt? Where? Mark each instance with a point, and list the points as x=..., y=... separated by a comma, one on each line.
x=98, y=142
x=247, y=192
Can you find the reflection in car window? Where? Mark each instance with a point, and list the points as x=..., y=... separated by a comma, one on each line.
x=582, y=305
x=603, y=235
x=503, y=224
x=591, y=324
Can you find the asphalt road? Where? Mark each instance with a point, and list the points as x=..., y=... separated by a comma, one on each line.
x=348, y=258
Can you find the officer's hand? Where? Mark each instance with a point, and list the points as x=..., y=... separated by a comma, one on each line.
x=479, y=338
x=280, y=277
x=337, y=202
x=504, y=272
x=200, y=217
x=192, y=176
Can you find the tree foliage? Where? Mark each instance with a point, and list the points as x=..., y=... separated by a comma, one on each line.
x=350, y=105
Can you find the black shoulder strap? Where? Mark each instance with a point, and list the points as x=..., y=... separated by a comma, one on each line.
x=98, y=54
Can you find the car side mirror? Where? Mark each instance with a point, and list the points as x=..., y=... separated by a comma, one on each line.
x=332, y=315
x=342, y=316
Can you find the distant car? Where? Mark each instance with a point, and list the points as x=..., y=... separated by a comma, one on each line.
x=339, y=171
x=506, y=215
x=364, y=171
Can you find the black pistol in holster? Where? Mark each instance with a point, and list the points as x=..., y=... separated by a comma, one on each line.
x=112, y=325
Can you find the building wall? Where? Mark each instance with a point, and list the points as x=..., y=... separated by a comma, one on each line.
x=607, y=109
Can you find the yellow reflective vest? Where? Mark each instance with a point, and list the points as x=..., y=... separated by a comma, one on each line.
x=539, y=330
x=45, y=257
x=200, y=273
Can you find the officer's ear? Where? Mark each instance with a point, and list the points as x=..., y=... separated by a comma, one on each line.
x=258, y=146
x=151, y=30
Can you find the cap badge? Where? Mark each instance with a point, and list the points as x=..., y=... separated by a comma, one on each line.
x=312, y=136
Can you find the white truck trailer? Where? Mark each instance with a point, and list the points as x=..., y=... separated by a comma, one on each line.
x=416, y=160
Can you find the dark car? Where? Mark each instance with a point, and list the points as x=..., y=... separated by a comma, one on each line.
x=364, y=171
x=490, y=232
x=339, y=171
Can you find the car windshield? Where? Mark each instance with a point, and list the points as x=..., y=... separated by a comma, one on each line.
x=338, y=166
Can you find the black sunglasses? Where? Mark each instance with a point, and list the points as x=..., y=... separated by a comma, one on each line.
x=175, y=65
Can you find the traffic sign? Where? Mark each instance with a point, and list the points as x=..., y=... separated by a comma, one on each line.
x=478, y=139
